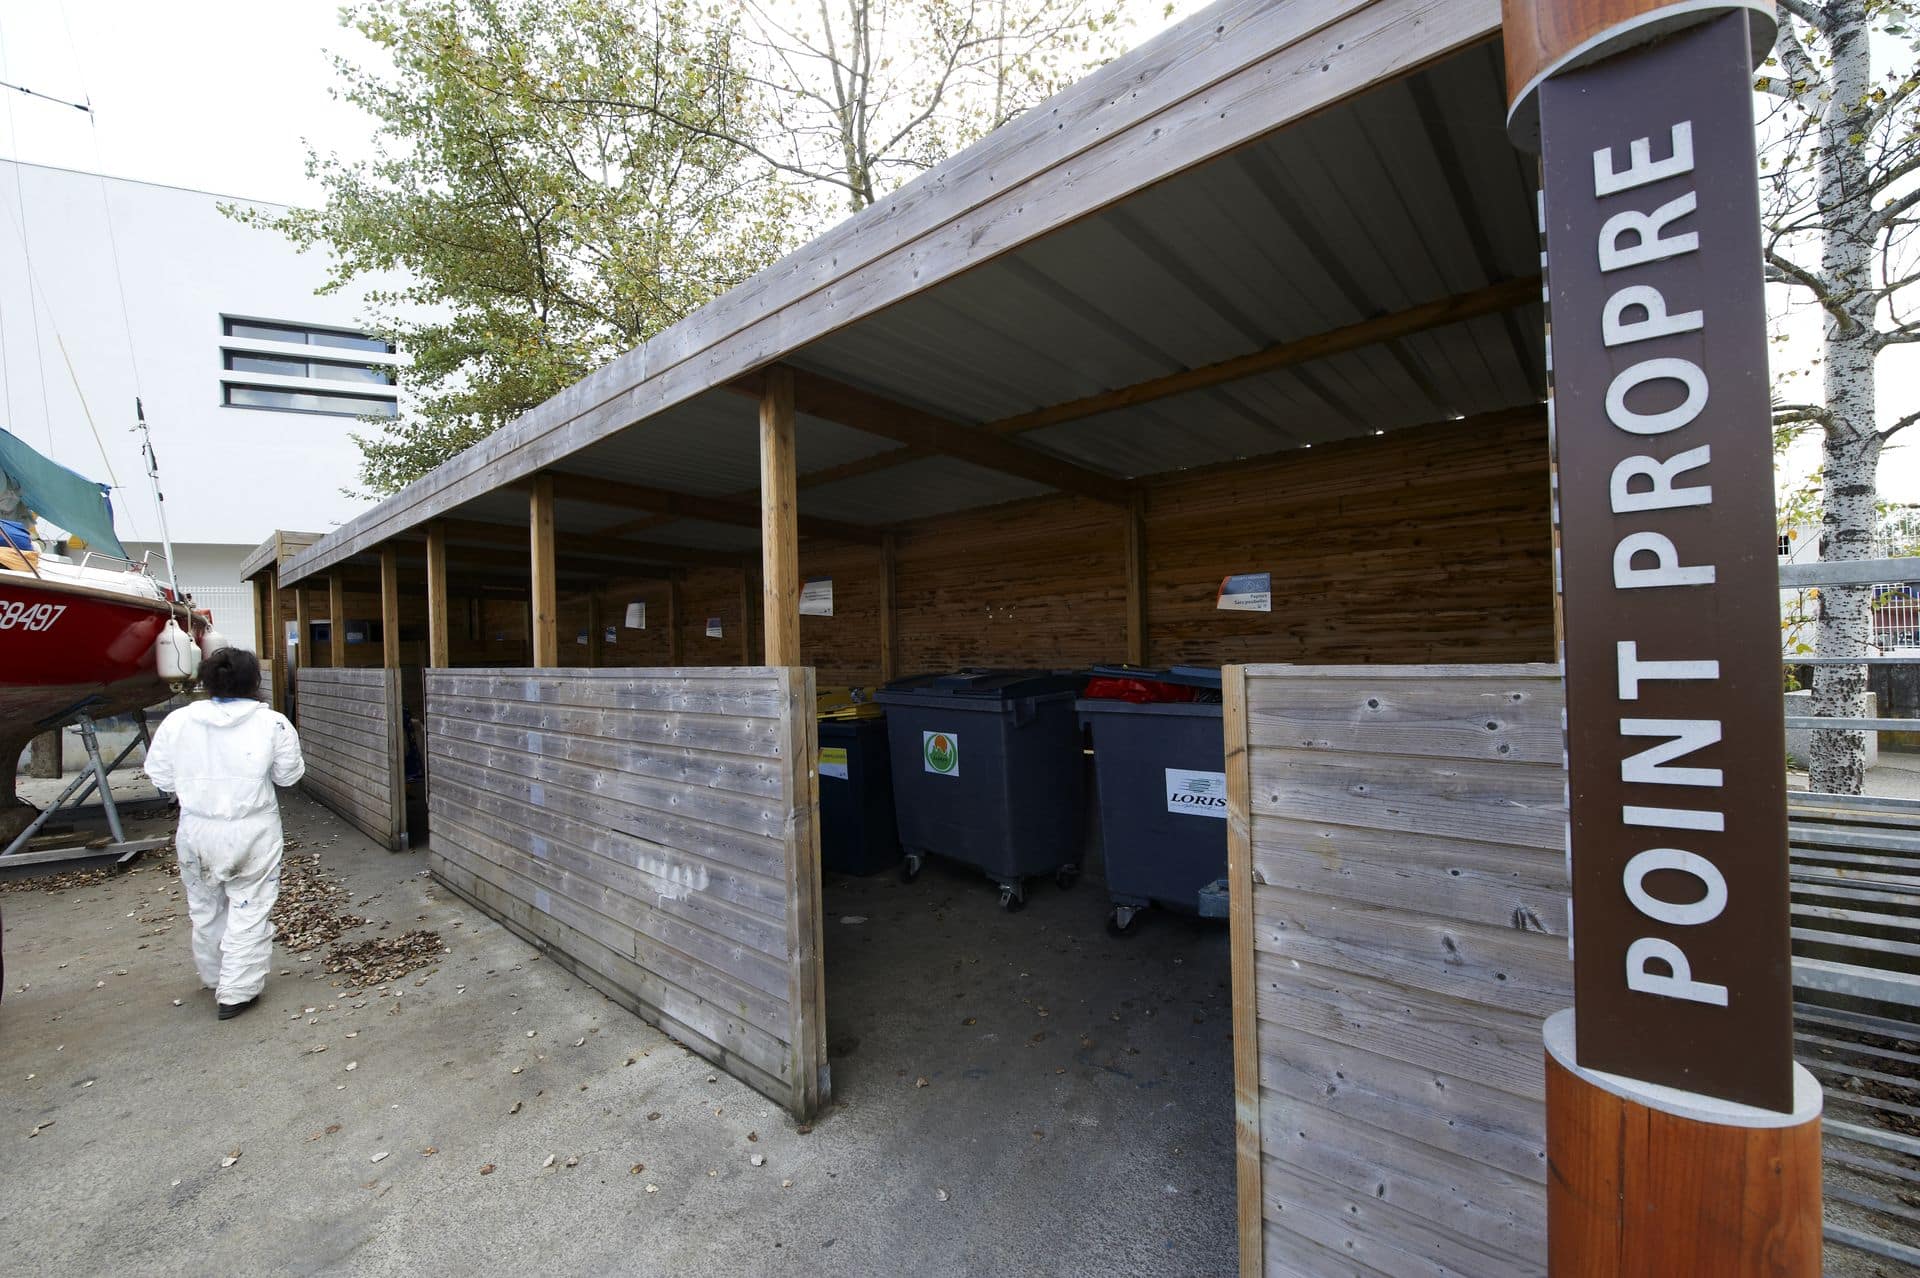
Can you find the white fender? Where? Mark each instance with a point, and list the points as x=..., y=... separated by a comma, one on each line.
x=212, y=641
x=175, y=657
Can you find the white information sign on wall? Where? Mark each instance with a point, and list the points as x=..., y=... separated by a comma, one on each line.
x=637, y=615
x=1246, y=592
x=713, y=627
x=816, y=597
x=1197, y=793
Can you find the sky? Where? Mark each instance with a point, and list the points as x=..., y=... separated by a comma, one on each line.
x=230, y=95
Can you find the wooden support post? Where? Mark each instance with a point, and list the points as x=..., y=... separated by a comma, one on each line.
x=1648, y=1180
x=437, y=657
x=747, y=593
x=1235, y=727
x=544, y=606
x=596, y=631
x=1137, y=581
x=276, y=644
x=779, y=536
x=889, y=644
x=389, y=607
x=337, y=620
x=302, y=629
x=673, y=621
x=262, y=618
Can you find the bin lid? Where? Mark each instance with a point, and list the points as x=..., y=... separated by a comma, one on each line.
x=988, y=685
x=1180, y=676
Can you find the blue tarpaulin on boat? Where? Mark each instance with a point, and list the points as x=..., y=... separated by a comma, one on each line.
x=60, y=496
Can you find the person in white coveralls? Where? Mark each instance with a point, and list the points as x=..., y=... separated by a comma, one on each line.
x=223, y=757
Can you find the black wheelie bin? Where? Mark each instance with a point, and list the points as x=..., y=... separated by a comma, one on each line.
x=988, y=770
x=1160, y=782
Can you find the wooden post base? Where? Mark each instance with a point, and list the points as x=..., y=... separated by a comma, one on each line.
x=1644, y=1179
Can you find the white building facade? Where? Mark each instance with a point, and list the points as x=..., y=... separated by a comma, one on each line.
x=253, y=382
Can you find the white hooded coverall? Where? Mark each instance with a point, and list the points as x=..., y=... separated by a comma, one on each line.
x=223, y=758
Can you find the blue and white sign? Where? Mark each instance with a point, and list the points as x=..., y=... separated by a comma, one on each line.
x=1246, y=592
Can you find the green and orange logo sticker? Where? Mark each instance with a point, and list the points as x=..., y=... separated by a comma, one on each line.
x=941, y=751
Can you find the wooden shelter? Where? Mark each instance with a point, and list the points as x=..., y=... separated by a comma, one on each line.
x=1262, y=296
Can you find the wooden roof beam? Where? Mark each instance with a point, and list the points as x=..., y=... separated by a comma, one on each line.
x=592, y=546
x=1491, y=300
x=719, y=510
x=933, y=435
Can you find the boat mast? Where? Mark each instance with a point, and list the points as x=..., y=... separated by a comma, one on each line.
x=159, y=498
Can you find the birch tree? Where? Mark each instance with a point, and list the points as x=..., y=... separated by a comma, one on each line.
x=1839, y=166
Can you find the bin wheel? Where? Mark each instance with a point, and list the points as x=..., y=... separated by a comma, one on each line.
x=1120, y=920
x=910, y=868
x=1012, y=899
x=1066, y=876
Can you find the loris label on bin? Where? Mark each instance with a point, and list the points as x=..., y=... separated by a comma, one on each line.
x=833, y=762
x=1197, y=793
x=941, y=751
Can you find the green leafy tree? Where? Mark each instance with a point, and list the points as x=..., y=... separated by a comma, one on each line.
x=539, y=240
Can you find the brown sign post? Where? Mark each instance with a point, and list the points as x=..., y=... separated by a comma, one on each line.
x=1676, y=740
x=1682, y=1031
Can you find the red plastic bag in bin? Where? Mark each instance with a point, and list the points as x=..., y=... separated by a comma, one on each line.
x=1138, y=691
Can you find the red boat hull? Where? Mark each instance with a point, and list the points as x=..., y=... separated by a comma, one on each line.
x=63, y=646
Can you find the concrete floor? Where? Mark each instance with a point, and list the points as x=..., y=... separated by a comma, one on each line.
x=1077, y=1112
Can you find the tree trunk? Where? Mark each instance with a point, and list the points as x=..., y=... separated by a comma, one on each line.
x=1850, y=453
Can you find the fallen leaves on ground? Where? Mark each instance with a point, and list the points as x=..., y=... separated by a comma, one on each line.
x=380, y=959
x=308, y=913
x=487, y=1170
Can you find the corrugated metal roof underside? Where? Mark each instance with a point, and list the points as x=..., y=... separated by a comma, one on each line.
x=1408, y=195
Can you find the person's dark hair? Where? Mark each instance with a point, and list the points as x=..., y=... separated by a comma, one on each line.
x=231, y=672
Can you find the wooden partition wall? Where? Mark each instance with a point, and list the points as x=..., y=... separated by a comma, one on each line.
x=1399, y=934
x=655, y=830
x=350, y=733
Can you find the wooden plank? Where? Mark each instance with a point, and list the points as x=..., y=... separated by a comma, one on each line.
x=1138, y=628
x=1245, y=994
x=389, y=608
x=596, y=632
x=303, y=627
x=1409, y=925
x=1453, y=717
x=806, y=997
x=336, y=620
x=889, y=634
x=546, y=621
x=437, y=646
x=779, y=537
x=1505, y=969
x=674, y=656
x=659, y=826
x=706, y=1026
x=1503, y=803
x=1475, y=881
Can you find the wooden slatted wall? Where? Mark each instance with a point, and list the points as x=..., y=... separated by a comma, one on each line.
x=349, y=722
x=1399, y=935
x=655, y=829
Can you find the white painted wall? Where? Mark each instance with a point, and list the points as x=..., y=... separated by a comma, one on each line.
x=231, y=475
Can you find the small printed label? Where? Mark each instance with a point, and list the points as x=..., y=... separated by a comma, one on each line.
x=581, y=638
x=713, y=627
x=833, y=762
x=816, y=597
x=1197, y=793
x=1246, y=592
x=941, y=751
x=611, y=634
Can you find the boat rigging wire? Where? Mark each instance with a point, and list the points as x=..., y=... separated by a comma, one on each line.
x=48, y=97
x=26, y=245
